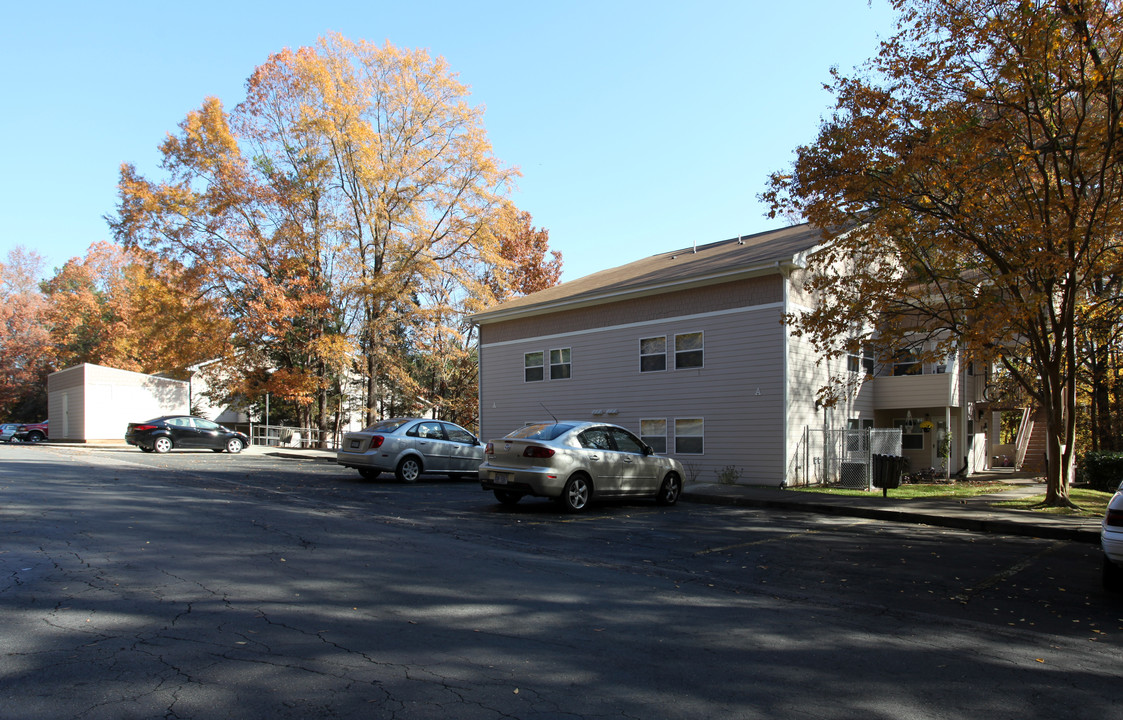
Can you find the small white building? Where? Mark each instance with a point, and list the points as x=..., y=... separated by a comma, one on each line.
x=91, y=403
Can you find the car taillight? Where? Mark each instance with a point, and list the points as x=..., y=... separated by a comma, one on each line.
x=376, y=442
x=489, y=449
x=535, y=451
x=1114, y=518
x=145, y=427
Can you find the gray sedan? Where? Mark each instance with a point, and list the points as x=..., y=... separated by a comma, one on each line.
x=574, y=462
x=408, y=447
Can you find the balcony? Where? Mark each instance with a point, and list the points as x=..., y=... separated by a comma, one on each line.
x=910, y=391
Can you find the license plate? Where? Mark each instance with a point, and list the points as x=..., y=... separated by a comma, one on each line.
x=355, y=444
x=501, y=478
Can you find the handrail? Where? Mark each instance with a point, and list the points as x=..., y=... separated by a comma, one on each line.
x=1025, y=429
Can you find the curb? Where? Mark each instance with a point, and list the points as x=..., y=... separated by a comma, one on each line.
x=959, y=522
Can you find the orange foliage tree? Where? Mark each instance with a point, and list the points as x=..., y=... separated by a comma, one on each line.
x=26, y=351
x=351, y=178
x=970, y=185
x=132, y=312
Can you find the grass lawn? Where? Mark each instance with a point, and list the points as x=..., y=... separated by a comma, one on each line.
x=913, y=491
x=1093, y=503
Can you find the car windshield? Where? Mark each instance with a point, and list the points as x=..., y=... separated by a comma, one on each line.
x=542, y=432
x=387, y=425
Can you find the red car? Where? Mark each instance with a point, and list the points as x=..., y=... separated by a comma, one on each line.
x=32, y=432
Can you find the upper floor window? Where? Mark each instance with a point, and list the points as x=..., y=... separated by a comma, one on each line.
x=948, y=364
x=688, y=350
x=861, y=361
x=532, y=366
x=652, y=354
x=559, y=364
x=905, y=363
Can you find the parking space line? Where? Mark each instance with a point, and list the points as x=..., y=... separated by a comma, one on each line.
x=1008, y=573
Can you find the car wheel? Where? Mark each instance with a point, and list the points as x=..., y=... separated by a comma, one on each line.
x=162, y=444
x=506, y=497
x=369, y=473
x=576, y=493
x=36, y=436
x=1112, y=576
x=408, y=470
x=234, y=446
x=670, y=490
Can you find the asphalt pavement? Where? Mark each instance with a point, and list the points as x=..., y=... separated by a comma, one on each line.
x=977, y=513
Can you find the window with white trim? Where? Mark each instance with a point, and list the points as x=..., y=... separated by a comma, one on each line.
x=689, y=436
x=559, y=364
x=653, y=354
x=533, y=367
x=654, y=433
x=861, y=361
x=688, y=351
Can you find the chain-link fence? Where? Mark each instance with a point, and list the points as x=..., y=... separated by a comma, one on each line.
x=842, y=457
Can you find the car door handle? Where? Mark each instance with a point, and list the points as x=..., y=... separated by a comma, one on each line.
x=594, y=456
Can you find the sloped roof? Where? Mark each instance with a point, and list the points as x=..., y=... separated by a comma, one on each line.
x=679, y=269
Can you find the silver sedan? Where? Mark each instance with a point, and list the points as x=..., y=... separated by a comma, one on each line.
x=574, y=462
x=408, y=447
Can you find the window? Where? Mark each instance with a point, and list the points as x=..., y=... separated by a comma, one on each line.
x=627, y=442
x=559, y=364
x=654, y=433
x=430, y=430
x=905, y=363
x=532, y=364
x=861, y=361
x=689, y=436
x=948, y=364
x=688, y=351
x=595, y=439
x=458, y=434
x=912, y=437
x=652, y=354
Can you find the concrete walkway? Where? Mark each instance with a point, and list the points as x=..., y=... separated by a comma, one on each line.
x=976, y=513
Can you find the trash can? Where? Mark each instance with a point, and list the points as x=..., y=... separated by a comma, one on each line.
x=887, y=471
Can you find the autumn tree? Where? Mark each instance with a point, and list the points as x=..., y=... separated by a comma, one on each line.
x=349, y=177
x=969, y=185
x=131, y=312
x=25, y=346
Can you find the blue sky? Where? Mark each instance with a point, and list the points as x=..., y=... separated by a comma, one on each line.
x=639, y=127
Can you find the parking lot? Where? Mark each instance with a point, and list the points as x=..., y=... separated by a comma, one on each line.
x=294, y=588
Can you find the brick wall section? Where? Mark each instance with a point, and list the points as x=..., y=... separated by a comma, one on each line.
x=694, y=301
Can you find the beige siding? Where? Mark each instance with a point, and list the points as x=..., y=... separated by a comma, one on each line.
x=908, y=391
x=89, y=403
x=739, y=393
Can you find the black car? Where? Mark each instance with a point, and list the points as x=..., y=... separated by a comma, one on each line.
x=184, y=431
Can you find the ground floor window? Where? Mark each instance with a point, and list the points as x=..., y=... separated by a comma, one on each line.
x=654, y=433
x=689, y=436
x=912, y=436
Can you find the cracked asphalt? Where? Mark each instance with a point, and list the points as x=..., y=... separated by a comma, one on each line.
x=196, y=585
